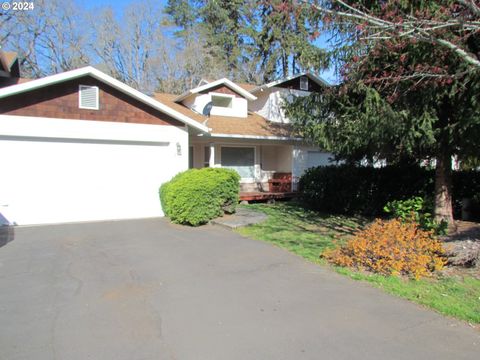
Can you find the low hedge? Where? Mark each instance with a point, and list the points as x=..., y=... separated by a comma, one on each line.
x=347, y=189
x=196, y=196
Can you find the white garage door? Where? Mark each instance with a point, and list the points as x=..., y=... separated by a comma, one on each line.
x=65, y=180
x=318, y=158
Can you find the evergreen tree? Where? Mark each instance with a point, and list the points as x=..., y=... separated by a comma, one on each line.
x=401, y=98
x=260, y=40
x=285, y=39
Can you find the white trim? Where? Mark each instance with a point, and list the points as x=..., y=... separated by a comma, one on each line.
x=223, y=81
x=255, y=137
x=311, y=76
x=97, y=74
x=211, y=160
x=97, y=101
x=14, y=126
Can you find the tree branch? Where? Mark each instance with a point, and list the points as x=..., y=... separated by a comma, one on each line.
x=422, y=30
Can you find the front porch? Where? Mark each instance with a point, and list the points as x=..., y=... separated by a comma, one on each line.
x=269, y=168
x=266, y=196
x=266, y=168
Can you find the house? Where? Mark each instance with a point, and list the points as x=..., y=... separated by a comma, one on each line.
x=83, y=146
x=248, y=130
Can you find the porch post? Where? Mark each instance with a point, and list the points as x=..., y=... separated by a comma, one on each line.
x=211, y=161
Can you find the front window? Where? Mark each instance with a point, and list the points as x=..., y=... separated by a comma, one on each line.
x=240, y=159
x=206, y=156
x=190, y=157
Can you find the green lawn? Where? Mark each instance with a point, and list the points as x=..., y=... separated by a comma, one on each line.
x=308, y=234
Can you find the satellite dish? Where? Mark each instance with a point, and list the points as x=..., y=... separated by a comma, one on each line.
x=207, y=109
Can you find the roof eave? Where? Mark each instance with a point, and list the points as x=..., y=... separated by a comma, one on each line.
x=224, y=81
x=311, y=76
x=255, y=137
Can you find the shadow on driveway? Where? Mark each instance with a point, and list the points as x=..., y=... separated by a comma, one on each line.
x=7, y=232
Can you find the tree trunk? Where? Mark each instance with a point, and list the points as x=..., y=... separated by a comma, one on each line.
x=443, y=189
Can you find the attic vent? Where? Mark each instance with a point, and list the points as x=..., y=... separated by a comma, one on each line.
x=304, y=83
x=88, y=97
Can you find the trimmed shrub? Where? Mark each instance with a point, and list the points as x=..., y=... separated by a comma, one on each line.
x=361, y=190
x=364, y=191
x=391, y=248
x=196, y=196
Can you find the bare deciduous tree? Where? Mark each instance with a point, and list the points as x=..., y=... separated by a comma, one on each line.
x=135, y=46
x=49, y=39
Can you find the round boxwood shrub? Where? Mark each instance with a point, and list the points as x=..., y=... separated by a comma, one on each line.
x=196, y=196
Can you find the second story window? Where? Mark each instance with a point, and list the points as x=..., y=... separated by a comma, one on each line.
x=304, y=83
x=224, y=101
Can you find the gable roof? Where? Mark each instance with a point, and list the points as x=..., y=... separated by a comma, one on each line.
x=248, y=87
x=97, y=74
x=311, y=76
x=253, y=126
x=231, y=85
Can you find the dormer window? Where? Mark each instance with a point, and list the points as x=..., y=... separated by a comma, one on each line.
x=224, y=101
x=88, y=97
x=304, y=83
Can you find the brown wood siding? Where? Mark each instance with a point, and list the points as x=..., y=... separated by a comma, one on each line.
x=61, y=101
x=294, y=84
x=222, y=89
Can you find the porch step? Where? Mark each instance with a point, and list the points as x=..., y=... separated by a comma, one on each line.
x=243, y=217
x=258, y=195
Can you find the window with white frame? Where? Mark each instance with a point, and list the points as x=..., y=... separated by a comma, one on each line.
x=304, y=83
x=224, y=101
x=206, y=156
x=88, y=97
x=190, y=157
x=240, y=159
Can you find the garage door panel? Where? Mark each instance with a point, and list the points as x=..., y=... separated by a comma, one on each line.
x=318, y=158
x=59, y=181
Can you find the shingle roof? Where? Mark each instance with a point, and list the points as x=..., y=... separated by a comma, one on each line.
x=8, y=81
x=252, y=125
x=248, y=87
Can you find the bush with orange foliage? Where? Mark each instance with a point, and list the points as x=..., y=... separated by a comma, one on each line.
x=391, y=247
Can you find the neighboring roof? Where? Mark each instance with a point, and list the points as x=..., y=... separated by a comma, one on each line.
x=7, y=58
x=231, y=85
x=9, y=81
x=253, y=126
x=248, y=87
x=311, y=76
x=97, y=74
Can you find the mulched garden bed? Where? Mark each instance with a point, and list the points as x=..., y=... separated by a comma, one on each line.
x=463, y=249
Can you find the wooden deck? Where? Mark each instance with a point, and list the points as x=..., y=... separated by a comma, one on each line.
x=259, y=196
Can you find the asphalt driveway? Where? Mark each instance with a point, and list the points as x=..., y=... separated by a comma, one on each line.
x=146, y=289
